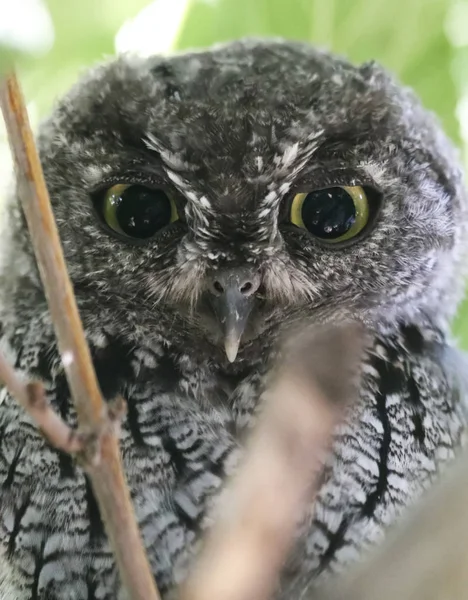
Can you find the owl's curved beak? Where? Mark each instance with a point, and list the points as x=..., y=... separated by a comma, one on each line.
x=232, y=297
x=232, y=310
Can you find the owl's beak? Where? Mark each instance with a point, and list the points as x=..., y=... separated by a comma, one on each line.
x=232, y=298
x=232, y=310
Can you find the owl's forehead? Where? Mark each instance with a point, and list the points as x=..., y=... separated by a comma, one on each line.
x=240, y=107
x=227, y=153
x=244, y=115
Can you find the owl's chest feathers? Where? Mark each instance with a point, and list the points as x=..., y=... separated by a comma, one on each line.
x=180, y=441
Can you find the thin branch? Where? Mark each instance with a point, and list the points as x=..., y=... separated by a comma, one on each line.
x=106, y=473
x=279, y=478
x=32, y=398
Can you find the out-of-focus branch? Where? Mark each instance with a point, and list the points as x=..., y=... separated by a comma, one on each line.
x=105, y=466
x=260, y=511
x=425, y=558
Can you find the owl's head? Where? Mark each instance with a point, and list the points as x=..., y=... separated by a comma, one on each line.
x=216, y=195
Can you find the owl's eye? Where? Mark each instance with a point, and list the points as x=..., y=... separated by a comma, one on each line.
x=137, y=211
x=332, y=214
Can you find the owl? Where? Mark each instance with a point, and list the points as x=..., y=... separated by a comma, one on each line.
x=207, y=203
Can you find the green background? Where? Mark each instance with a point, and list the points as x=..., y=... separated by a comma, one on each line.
x=423, y=41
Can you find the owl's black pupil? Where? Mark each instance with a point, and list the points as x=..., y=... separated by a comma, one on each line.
x=141, y=212
x=328, y=213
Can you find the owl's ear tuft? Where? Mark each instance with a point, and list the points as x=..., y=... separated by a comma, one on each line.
x=374, y=74
x=369, y=68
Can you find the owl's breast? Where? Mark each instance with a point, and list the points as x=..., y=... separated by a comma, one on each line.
x=181, y=440
x=407, y=425
x=178, y=443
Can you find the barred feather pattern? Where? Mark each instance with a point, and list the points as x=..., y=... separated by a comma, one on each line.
x=178, y=451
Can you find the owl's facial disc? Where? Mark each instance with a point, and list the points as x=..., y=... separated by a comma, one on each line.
x=231, y=295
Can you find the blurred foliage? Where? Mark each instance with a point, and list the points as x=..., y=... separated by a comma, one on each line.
x=84, y=34
x=407, y=36
x=6, y=58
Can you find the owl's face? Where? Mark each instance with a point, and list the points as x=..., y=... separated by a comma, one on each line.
x=210, y=198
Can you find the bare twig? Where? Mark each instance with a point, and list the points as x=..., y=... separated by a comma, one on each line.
x=106, y=473
x=32, y=398
x=243, y=555
x=425, y=558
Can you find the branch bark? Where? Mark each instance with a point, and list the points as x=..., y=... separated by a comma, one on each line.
x=279, y=477
x=32, y=398
x=105, y=468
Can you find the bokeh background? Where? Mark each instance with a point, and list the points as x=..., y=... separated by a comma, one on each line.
x=425, y=42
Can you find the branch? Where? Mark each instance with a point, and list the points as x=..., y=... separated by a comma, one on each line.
x=425, y=558
x=279, y=478
x=106, y=473
x=32, y=398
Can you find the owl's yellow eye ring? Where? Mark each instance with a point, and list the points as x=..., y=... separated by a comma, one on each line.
x=333, y=214
x=137, y=211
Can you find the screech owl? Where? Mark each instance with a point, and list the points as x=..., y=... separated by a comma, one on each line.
x=206, y=202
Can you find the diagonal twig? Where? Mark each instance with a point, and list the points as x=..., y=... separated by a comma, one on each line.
x=32, y=398
x=106, y=473
x=280, y=475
